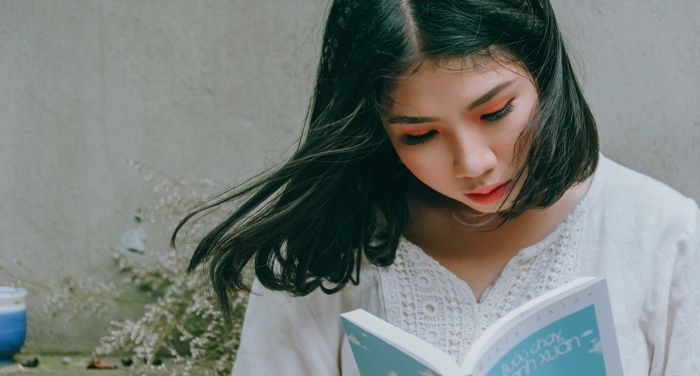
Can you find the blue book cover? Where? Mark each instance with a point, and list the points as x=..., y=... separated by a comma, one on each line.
x=567, y=331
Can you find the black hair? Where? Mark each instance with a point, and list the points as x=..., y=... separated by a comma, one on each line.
x=307, y=224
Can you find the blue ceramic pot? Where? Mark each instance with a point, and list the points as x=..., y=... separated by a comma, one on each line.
x=13, y=322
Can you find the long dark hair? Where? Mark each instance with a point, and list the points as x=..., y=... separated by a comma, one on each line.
x=307, y=224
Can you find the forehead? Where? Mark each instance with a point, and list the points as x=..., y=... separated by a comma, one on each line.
x=437, y=81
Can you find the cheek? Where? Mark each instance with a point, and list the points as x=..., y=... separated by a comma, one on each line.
x=507, y=136
x=429, y=165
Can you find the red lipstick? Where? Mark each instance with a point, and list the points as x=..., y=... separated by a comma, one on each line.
x=489, y=194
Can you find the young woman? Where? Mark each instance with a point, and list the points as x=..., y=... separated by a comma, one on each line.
x=450, y=172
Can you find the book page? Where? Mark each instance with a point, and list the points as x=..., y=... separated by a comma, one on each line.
x=571, y=336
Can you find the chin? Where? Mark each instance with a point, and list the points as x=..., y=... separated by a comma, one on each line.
x=475, y=208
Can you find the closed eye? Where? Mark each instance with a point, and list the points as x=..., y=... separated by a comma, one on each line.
x=415, y=140
x=492, y=117
x=500, y=114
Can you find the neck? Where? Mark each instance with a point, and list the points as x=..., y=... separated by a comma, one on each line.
x=533, y=225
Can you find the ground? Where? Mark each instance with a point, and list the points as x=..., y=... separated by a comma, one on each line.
x=53, y=365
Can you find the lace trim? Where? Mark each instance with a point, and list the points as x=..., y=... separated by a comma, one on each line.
x=424, y=298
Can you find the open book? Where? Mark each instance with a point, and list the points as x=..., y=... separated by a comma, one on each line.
x=566, y=331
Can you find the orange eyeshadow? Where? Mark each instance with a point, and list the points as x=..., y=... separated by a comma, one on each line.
x=495, y=107
x=415, y=130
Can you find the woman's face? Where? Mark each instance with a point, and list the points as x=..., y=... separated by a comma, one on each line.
x=455, y=128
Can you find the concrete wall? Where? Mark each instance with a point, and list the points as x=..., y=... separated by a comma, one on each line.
x=217, y=89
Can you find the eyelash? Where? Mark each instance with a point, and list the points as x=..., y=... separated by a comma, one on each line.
x=492, y=117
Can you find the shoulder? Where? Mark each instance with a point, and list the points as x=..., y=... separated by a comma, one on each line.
x=644, y=237
x=631, y=196
x=303, y=332
x=628, y=186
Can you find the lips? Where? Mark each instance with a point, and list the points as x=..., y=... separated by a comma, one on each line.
x=487, y=189
x=492, y=194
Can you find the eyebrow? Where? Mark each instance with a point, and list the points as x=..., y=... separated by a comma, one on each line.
x=401, y=119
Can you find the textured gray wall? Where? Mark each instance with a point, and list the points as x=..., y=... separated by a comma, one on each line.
x=640, y=61
x=217, y=89
x=196, y=89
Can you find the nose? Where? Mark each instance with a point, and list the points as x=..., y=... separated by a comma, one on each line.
x=473, y=156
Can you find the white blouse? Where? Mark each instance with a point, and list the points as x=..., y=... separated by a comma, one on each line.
x=639, y=233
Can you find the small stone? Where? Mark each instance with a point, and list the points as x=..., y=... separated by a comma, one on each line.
x=65, y=360
x=97, y=363
x=11, y=369
x=31, y=363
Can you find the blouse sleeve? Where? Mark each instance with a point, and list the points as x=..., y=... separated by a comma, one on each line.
x=681, y=329
x=281, y=337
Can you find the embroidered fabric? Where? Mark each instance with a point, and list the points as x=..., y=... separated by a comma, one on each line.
x=424, y=298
